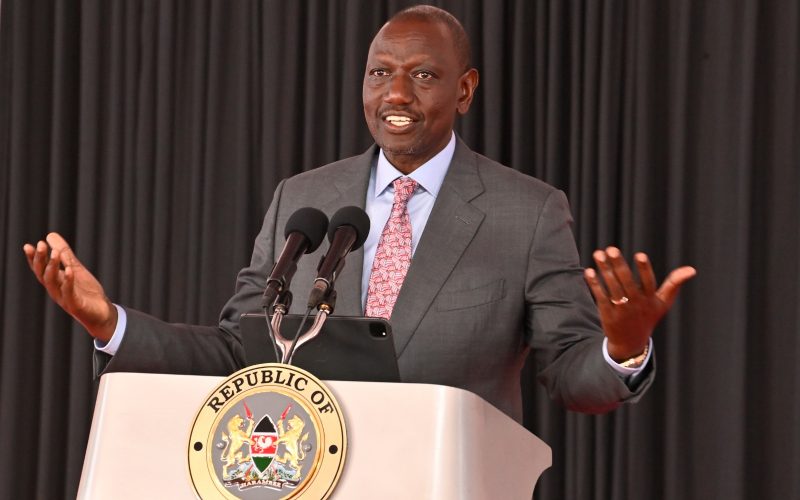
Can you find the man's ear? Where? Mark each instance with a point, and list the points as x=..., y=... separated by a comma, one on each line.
x=466, y=88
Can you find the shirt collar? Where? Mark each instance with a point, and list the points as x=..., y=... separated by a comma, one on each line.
x=429, y=175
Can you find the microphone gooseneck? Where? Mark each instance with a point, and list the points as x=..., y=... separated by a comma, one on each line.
x=347, y=231
x=304, y=232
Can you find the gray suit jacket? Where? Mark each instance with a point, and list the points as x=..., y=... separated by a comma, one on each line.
x=496, y=273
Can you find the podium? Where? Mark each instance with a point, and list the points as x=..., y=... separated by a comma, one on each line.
x=404, y=441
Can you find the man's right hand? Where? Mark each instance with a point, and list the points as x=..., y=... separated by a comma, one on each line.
x=72, y=286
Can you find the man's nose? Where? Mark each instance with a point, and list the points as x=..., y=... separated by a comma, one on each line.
x=400, y=90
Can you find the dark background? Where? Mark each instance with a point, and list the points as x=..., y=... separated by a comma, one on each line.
x=152, y=134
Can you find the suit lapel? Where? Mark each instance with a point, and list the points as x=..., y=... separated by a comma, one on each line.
x=451, y=226
x=350, y=183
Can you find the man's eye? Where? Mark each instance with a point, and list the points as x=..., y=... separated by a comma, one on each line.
x=423, y=75
x=378, y=72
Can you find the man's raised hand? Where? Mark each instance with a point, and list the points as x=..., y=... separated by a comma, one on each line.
x=72, y=286
x=630, y=310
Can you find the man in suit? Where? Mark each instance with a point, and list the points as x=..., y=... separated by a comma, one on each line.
x=494, y=271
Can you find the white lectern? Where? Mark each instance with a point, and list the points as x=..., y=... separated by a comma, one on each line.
x=404, y=441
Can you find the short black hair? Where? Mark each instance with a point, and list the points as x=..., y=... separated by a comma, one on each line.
x=456, y=29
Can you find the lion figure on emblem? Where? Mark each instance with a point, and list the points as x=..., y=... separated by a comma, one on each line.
x=235, y=440
x=290, y=437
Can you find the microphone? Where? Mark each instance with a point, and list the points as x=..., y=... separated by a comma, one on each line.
x=347, y=231
x=304, y=232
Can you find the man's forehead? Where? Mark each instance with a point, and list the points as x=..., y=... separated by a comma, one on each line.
x=412, y=37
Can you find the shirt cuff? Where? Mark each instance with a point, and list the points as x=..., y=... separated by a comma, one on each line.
x=626, y=372
x=113, y=343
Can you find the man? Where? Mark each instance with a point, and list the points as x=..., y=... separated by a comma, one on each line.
x=494, y=270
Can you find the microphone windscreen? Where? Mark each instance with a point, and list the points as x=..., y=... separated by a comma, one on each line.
x=353, y=217
x=309, y=222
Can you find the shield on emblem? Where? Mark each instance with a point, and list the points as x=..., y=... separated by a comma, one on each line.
x=263, y=448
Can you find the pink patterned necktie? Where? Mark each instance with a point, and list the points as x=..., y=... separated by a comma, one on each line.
x=393, y=255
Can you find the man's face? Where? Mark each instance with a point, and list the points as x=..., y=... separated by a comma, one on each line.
x=414, y=85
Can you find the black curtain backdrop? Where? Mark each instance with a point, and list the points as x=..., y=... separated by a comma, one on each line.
x=152, y=134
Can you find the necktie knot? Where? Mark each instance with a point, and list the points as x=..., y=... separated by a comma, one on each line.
x=403, y=189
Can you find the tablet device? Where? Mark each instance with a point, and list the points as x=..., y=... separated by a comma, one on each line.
x=348, y=347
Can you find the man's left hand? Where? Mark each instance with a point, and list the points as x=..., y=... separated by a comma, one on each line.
x=630, y=310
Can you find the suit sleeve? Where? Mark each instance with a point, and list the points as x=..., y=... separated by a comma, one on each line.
x=562, y=324
x=151, y=345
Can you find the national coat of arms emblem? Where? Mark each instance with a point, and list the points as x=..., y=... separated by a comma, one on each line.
x=268, y=431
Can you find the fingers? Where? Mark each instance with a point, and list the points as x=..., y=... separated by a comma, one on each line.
x=622, y=272
x=616, y=273
x=30, y=252
x=68, y=284
x=615, y=290
x=39, y=260
x=51, y=277
x=56, y=241
x=596, y=288
x=646, y=274
x=48, y=268
x=672, y=285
